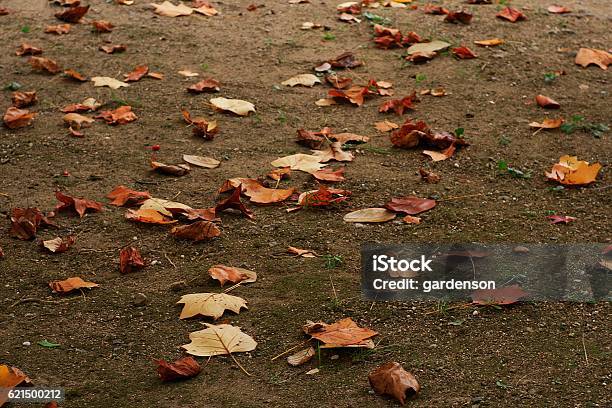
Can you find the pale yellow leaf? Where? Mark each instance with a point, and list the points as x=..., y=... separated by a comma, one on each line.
x=218, y=340
x=210, y=304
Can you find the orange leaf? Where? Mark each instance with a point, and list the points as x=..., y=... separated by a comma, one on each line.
x=558, y=9
x=410, y=205
x=103, y=26
x=122, y=195
x=206, y=85
x=72, y=74
x=10, y=377
x=392, y=380
x=148, y=216
x=511, y=14
x=71, y=284
x=186, y=367
x=464, y=53
x=198, y=231
x=260, y=194
x=44, y=64
x=17, y=118
x=571, y=171
x=58, y=245
x=58, y=29
x=587, y=56
x=233, y=201
x=489, y=43
x=121, y=115
x=548, y=124
x=23, y=99
x=546, y=102
x=25, y=222
x=344, y=332
x=502, y=296
x=137, y=73
x=226, y=274
x=72, y=14
x=113, y=48
x=80, y=205
x=329, y=174
x=28, y=49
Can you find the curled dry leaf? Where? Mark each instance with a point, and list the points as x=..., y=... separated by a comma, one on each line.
x=23, y=99
x=198, y=231
x=80, y=205
x=571, y=171
x=233, y=201
x=170, y=169
x=311, y=139
x=137, y=73
x=391, y=379
x=385, y=126
x=304, y=162
x=102, y=26
x=76, y=121
x=441, y=155
x=464, y=53
x=257, y=192
x=170, y=10
x=70, y=284
x=201, y=127
x=89, y=104
x=558, y=9
x=546, y=102
x=28, y=49
x=113, y=48
x=343, y=333
x=399, y=105
x=560, y=219
x=156, y=75
x=325, y=102
x=121, y=195
x=58, y=29
x=237, y=106
x=120, y=116
x=588, y=56
x=322, y=197
x=58, y=245
x=183, y=368
x=428, y=47
x=231, y=274
x=44, y=64
x=333, y=152
x=511, y=14
x=304, y=253
x=420, y=56
x=206, y=85
x=410, y=205
x=201, y=161
x=409, y=219
x=218, y=340
x=130, y=260
x=435, y=10
x=355, y=94
x=489, y=43
x=458, y=17
x=188, y=73
x=110, y=82
x=429, y=176
x=301, y=357
x=72, y=74
x=370, y=215
x=329, y=175
x=25, y=222
x=338, y=82
x=204, y=7
x=72, y=14
x=548, y=124
x=501, y=296
x=10, y=377
x=409, y=134
x=149, y=216
x=308, y=80
x=210, y=304
x=345, y=60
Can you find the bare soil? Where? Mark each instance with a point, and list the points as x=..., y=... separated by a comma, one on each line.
x=544, y=354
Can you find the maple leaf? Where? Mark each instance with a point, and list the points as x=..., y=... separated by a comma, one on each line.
x=72, y=74
x=571, y=171
x=121, y=195
x=343, y=333
x=218, y=340
x=409, y=134
x=138, y=72
x=183, y=368
x=233, y=201
x=70, y=284
x=304, y=162
x=308, y=80
x=225, y=274
x=198, y=231
x=329, y=174
x=588, y=56
x=149, y=216
x=80, y=205
x=458, y=16
x=210, y=304
x=58, y=245
x=333, y=152
x=399, y=105
x=322, y=197
x=201, y=127
x=25, y=222
x=338, y=82
x=130, y=260
x=391, y=379
x=257, y=193
x=170, y=10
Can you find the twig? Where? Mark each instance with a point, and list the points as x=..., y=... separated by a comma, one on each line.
x=586, y=356
x=333, y=288
x=537, y=131
x=4, y=195
x=241, y=367
x=169, y=260
x=459, y=197
x=36, y=300
x=291, y=349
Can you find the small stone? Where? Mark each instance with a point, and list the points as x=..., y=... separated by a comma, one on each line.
x=26, y=343
x=475, y=313
x=139, y=299
x=178, y=286
x=335, y=357
x=520, y=250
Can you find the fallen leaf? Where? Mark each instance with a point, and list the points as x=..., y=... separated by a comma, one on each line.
x=410, y=205
x=137, y=73
x=121, y=195
x=489, y=43
x=399, y=105
x=329, y=174
x=441, y=155
x=502, y=296
x=338, y=82
x=201, y=127
x=218, y=340
x=343, y=333
x=409, y=134
x=558, y=219
x=304, y=253
x=233, y=201
x=58, y=29
x=120, y=116
x=429, y=176
x=70, y=284
x=385, y=126
x=23, y=99
x=183, y=368
x=345, y=60
x=72, y=74
x=113, y=48
x=587, y=56
x=548, y=124
x=76, y=121
x=333, y=152
x=428, y=47
x=80, y=205
x=458, y=16
x=322, y=197
x=464, y=53
x=303, y=162
x=237, y=106
x=419, y=57
x=188, y=74
x=391, y=379
x=102, y=26
x=546, y=102
x=25, y=222
x=204, y=8
x=72, y=14
x=210, y=304
x=308, y=80
x=170, y=169
x=10, y=377
x=170, y=10
x=301, y=357
x=409, y=219
x=511, y=14
x=110, y=82
x=435, y=10
x=206, y=85
x=571, y=171
x=155, y=75
x=165, y=207
x=198, y=231
x=325, y=102
x=89, y=104
x=58, y=245
x=231, y=274
x=130, y=260
x=201, y=161
x=44, y=64
x=257, y=193
x=149, y=216
x=558, y=9
x=370, y=215
x=28, y=49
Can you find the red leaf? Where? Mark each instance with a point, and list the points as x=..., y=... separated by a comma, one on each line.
x=130, y=260
x=410, y=205
x=502, y=296
x=233, y=201
x=122, y=195
x=15, y=118
x=72, y=14
x=464, y=53
x=558, y=219
x=329, y=174
x=198, y=231
x=121, y=115
x=186, y=367
x=44, y=64
x=399, y=105
x=546, y=102
x=80, y=205
x=511, y=14
x=206, y=85
x=458, y=16
x=25, y=222
x=137, y=73
x=58, y=245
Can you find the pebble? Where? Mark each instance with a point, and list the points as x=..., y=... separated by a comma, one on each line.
x=139, y=299
x=520, y=250
x=335, y=357
x=178, y=286
x=26, y=343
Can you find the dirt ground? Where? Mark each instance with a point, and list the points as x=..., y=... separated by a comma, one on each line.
x=543, y=354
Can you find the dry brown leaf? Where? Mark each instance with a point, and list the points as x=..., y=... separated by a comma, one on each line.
x=170, y=10
x=225, y=274
x=392, y=380
x=588, y=56
x=490, y=43
x=385, y=126
x=410, y=205
x=210, y=304
x=113, y=48
x=370, y=215
x=71, y=284
x=15, y=118
x=301, y=357
x=343, y=333
x=25, y=222
x=558, y=9
x=304, y=162
x=130, y=260
x=501, y=296
x=10, y=377
x=121, y=195
x=120, y=116
x=110, y=82
x=333, y=152
x=429, y=176
x=44, y=64
x=80, y=205
x=28, y=49
x=546, y=102
x=329, y=175
x=137, y=73
x=102, y=26
x=257, y=193
x=511, y=14
x=198, y=231
x=409, y=219
x=548, y=124
x=304, y=253
x=233, y=201
x=72, y=74
x=23, y=99
x=183, y=368
x=58, y=245
x=205, y=85
x=76, y=121
x=58, y=29
x=72, y=14
x=149, y=216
